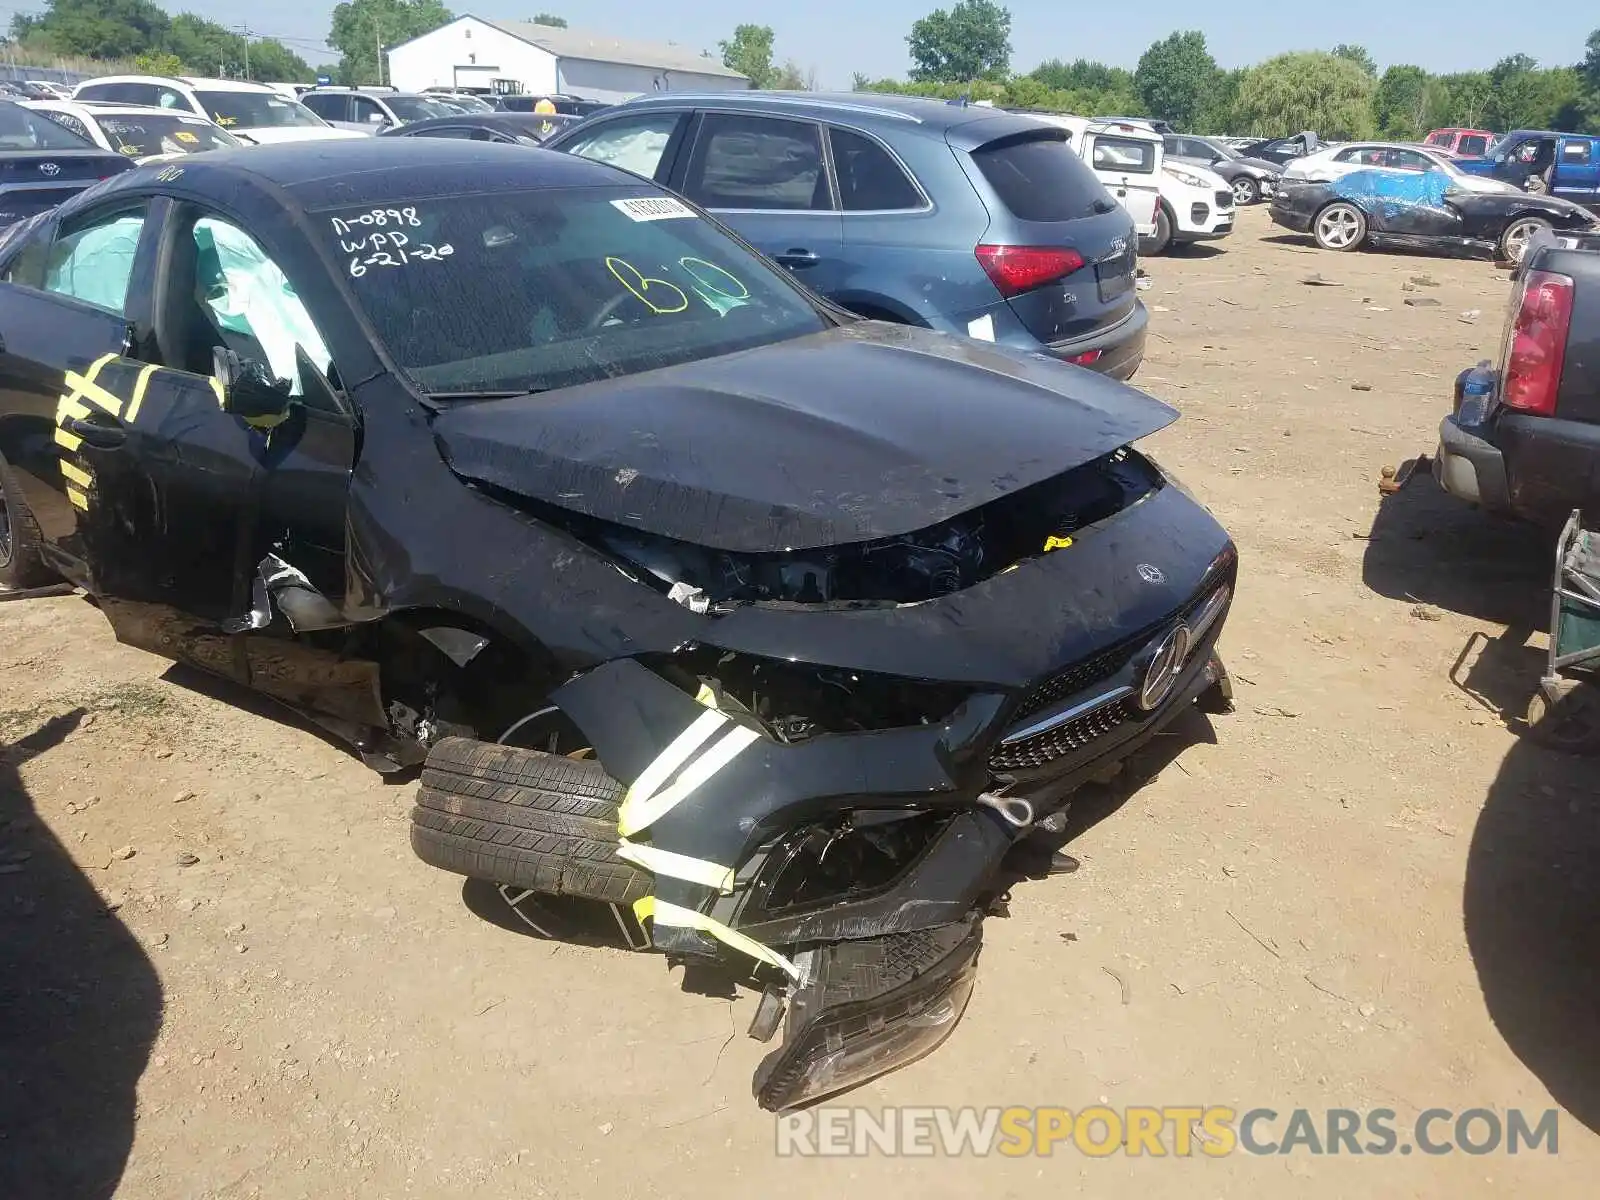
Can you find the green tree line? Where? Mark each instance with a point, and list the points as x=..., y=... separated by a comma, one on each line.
x=1340, y=92
x=142, y=33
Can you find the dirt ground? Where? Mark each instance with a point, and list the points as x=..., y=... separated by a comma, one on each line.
x=1361, y=889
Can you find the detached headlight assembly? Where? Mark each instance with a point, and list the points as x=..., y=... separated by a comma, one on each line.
x=1186, y=177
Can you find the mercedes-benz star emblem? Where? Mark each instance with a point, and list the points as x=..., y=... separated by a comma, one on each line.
x=1166, y=664
x=49, y=169
x=1151, y=574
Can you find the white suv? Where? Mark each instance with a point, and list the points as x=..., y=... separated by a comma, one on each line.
x=252, y=112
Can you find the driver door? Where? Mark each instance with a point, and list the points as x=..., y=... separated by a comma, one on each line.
x=191, y=497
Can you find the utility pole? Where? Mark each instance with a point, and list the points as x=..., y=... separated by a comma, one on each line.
x=244, y=31
x=377, y=45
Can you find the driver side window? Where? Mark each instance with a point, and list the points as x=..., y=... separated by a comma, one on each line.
x=250, y=306
x=93, y=262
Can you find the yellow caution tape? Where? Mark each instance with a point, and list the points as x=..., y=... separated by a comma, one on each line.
x=660, y=770
x=68, y=441
x=77, y=474
x=675, y=915
x=1054, y=542
x=641, y=809
x=79, y=500
x=85, y=388
x=217, y=390
x=138, y=391
x=678, y=866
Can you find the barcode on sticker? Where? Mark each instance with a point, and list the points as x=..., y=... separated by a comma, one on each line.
x=654, y=208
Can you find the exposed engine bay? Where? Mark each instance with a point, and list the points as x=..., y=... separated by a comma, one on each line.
x=907, y=569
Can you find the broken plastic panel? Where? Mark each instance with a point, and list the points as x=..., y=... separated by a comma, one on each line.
x=867, y=1008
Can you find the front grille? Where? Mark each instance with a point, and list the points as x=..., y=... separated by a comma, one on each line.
x=1077, y=678
x=1224, y=199
x=1042, y=749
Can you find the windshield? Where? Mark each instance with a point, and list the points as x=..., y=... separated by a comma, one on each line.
x=1227, y=152
x=415, y=108
x=471, y=104
x=24, y=130
x=162, y=133
x=255, y=110
x=510, y=292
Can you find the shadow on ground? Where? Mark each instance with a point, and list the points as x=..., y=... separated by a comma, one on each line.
x=1428, y=547
x=80, y=1006
x=1532, y=909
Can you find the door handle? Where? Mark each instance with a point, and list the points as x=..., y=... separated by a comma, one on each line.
x=797, y=258
x=101, y=436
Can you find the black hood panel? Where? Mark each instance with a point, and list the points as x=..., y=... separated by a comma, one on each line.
x=859, y=433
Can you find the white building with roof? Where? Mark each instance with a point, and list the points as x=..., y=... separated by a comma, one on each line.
x=471, y=52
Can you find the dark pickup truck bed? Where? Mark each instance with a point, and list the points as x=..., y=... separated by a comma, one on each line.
x=1535, y=453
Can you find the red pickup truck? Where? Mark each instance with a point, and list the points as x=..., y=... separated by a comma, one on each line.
x=1461, y=143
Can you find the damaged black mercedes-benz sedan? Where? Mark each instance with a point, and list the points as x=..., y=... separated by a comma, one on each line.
x=772, y=628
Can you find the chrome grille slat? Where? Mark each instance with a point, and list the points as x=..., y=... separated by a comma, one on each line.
x=1044, y=748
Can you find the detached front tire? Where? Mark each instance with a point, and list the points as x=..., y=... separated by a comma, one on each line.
x=523, y=818
x=22, y=564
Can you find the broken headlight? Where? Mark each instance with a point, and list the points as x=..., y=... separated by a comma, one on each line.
x=798, y=700
x=865, y=1008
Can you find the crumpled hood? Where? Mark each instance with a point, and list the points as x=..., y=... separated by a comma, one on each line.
x=858, y=433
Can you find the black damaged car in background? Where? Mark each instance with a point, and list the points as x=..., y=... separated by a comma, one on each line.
x=772, y=628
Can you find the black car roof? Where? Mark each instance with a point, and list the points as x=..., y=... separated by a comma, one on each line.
x=376, y=170
x=505, y=122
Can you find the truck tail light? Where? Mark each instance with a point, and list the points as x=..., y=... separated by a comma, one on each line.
x=1018, y=269
x=1536, y=345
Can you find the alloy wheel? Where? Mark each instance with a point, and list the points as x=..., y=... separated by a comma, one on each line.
x=1338, y=228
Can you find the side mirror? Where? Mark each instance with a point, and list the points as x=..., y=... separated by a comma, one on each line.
x=249, y=390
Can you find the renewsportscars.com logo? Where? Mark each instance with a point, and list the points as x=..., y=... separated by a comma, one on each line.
x=1178, y=1131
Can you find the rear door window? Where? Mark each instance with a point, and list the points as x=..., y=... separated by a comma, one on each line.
x=1575, y=150
x=870, y=180
x=758, y=163
x=328, y=107
x=1124, y=155
x=1039, y=178
x=633, y=143
x=1474, y=145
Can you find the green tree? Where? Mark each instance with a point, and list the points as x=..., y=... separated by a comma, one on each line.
x=1469, y=98
x=860, y=83
x=1521, y=96
x=1359, y=55
x=1219, y=107
x=1174, y=76
x=96, y=28
x=205, y=48
x=749, y=52
x=549, y=19
x=972, y=40
x=1316, y=91
x=158, y=62
x=1082, y=75
x=360, y=27
x=791, y=77
x=1401, y=101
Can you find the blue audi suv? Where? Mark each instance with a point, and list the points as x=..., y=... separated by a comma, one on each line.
x=959, y=218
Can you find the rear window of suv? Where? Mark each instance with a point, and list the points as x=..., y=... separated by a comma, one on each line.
x=1039, y=178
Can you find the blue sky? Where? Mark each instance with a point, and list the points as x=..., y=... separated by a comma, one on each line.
x=839, y=37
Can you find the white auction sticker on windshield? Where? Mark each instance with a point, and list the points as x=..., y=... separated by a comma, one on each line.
x=653, y=208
